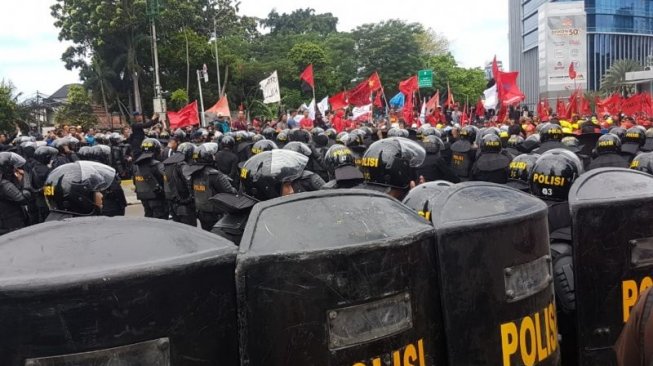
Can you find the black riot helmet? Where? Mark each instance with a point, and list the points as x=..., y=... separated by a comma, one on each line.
x=551, y=132
x=607, y=144
x=554, y=173
x=102, y=154
x=353, y=139
x=321, y=140
x=263, y=145
x=422, y=197
x=432, y=144
x=10, y=161
x=398, y=132
x=514, y=141
x=505, y=136
x=179, y=134
x=228, y=142
x=338, y=156
x=391, y=162
x=86, y=153
x=491, y=143
x=643, y=163
x=299, y=135
x=298, y=147
x=115, y=138
x=151, y=146
x=206, y=153
x=431, y=131
x=469, y=133
x=316, y=131
x=257, y=138
x=521, y=168
x=331, y=133
x=264, y=174
x=45, y=154
x=282, y=138
x=241, y=136
x=341, y=137
x=269, y=133
x=635, y=135
x=60, y=144
x=70, y=188
x=188, y=150
x=572, y=143
x=27, y=149
x=619, y=132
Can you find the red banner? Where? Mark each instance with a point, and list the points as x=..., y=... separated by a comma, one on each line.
x=186, y=116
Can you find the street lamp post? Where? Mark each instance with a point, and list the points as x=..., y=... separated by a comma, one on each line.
x=217, y=57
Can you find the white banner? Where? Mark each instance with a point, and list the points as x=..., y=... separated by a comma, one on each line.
x=270, y=88
x=361, y=112
x=323, y=105
x=491, y=98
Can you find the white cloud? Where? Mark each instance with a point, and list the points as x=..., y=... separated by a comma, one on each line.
x=30, y=51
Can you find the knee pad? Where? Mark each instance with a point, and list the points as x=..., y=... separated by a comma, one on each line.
x=563, y=276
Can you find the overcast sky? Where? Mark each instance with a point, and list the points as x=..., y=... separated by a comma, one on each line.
x=30, y=51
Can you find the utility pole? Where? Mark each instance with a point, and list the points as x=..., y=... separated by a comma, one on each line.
x=217, y=57
x=158, y=103
x=202, y=74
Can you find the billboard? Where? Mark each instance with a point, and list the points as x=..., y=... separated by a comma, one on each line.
x=562, y=40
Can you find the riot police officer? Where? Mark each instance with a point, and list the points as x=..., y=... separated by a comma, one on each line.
x=66, y=154
x=227, y=161
x=553, y=174
x=491, y=165
x=464, y=152
x=550, y=138
x=176, y=185
x=75, y=189
x=310, y=181
x=207, y=182
x=643, y=163
x=13, y=197
x=513, y=145
x=390, y=165
x=434, y=166
x=118, y=159
x=607, y=149
x=521, y=168
x=341, y=166
x=263, y=145
x=114, y=200
x=148, y=179
x=634, y=139
x=43, y=156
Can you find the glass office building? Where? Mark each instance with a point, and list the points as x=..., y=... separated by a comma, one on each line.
x=616, y=29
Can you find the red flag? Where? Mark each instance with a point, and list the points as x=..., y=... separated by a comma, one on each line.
x=509, y=92
x=433, y=103
x=450, y=101
x=374, y=82
x=501, y=115
x=338, y=101
x=187, y=116
x=408, y=111
x=221, y=107
x=561, y=109
x=307, y=76
x=585, y=107
x=610, y=105
x=574, y=104
x=408, y=86
x=464, y=118
x=377, y=101
x=572, y=71
x=543, y=110
x=495, y=70
x=360, y=94
x=636, y=104
x=480, y=108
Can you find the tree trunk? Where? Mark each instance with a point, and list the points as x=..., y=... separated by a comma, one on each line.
x=226, y=78
x=187, y=65
x=137, y=94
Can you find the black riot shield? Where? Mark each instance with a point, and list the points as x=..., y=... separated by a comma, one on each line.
x=611, y=209
x=341, y=278
x=116, y=291
x=495, y=273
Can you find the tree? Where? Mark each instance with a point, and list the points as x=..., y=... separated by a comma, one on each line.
x=77, y=110
x=300, y=21
x=431, y=43
x=390, y=48
x=8, y=107
x=465, y=83
x=614, y=78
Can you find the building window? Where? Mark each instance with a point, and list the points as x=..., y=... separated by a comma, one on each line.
x=530, y=23
x=530, y=40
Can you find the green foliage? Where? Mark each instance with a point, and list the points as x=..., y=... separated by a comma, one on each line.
x=77, y=110
x=178, y=99
x=111, y=47
x=465, y=83
x=8, y=107
x=300, y=21
x=613, y=79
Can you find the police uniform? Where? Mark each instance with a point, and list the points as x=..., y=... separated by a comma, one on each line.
x=207, y=182
x=114, y=201
x=148, y=179
x=177, y=190
x=463, y=155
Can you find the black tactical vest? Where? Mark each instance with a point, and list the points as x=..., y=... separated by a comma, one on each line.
x=146, y=184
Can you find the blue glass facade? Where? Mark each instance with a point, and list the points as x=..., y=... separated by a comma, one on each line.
x=617, y=29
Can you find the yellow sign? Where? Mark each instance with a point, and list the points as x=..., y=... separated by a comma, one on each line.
x=410, y=355
x=531, y=339
x=48, y=191
x=631, y=290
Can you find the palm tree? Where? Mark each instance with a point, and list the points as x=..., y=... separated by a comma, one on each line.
x=614, y=78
